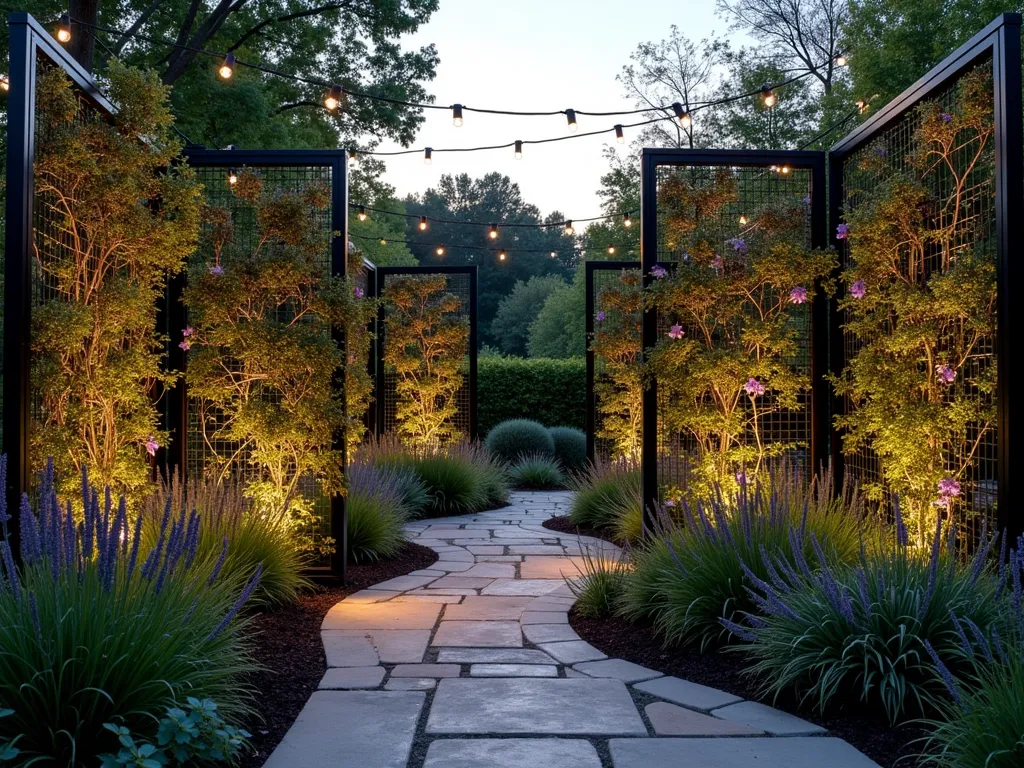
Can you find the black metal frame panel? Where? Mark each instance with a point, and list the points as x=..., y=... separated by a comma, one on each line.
x=29, y=43
x=651, y=160
x=370, y=418
x=590, y=417
x=1000, y=40
x=337, y=162
x=380, y=284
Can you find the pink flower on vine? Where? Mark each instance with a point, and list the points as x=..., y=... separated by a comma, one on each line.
x=600, y=317
x=946, y=374
x=216, y=269
x=359, y=292
x=676, y=332
x=842, y=231
x=753, y=387
x=739, y=244
x=949, y=488
x=658, y=272
x=151, y=445
x=669, y=503
x=741, y=477
x=185, y=345
x=858, y=290
x=798, y=295
x=186, y=332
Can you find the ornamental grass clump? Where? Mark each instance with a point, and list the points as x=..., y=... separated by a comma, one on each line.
x=377, y=512
x=697, y=570
x=537, y=472
x=604, y=494
x=96, y=629
x=598, y=582
x=829, y=632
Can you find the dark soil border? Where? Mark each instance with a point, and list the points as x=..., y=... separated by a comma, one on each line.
x=562, y=524
x=289, y=649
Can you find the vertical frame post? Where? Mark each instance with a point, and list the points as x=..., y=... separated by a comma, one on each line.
x=473, y=352
x=590, y=416
x=648, y=337
x=339, y=268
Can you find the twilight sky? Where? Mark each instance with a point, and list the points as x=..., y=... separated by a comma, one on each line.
x=540, y=55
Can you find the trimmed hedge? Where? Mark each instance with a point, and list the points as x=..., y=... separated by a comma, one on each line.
x=550, y=391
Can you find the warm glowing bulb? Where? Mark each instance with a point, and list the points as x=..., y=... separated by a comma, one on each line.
x=519, y=150
x=64, y=29
x=570, y=116
x=440, y=250
x=493, y=233
x=228, y=67
x=611, y=249
x=362, y=213
x=568, y=228
x=743, y=221
x=861, y=105
x=841, y=60
x=457, y=115
x=627, y=221
x=619, y=135
x=334, y=98
x=423, y=223
x=353, y=160
x=684, y=117
x=554, y=255
x=501, y=255
x=5, y=83
x=232, y=177
x=784, y=169
x=767, y=96
x=383, y=241
x=427, y=155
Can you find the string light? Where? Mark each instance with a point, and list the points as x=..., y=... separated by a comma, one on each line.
x=619, y=136
x=501, y=256
x=227, y=68
x=568, y=228
x=440, y=250
x=457, y=115
x=743, y=220
x=5, y=83
x=353, y=159
x=627, y=220
x=841, y=61
x=861, y=105
x=233, y=176
x=519, y=149
x=64, y=28
x=554, y=255
x=493, y=233
x=423, y=223
x=684, y=117
x=570, y=116
x=784, y=169
x=383, y=241
x=611, y=250
x=767, y=96
x=427, y=153
x=362, y=213
x=334, y=98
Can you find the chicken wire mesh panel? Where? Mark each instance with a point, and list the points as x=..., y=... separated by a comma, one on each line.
x=617, y=296
x=448, y=301
x=707, y=218
x=208, y=450
x=944, y=149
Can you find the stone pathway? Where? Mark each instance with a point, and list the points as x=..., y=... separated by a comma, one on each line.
x=472, y=664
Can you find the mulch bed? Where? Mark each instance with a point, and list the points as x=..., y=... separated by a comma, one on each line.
x=289, y=649
x=563, y=524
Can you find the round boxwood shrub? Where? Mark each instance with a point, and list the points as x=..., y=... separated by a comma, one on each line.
x=570, y=447
x=514, y=438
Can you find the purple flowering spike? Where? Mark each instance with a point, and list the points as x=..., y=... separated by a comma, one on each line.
x=246, y=594
x=219, y=564
x=136, y=540
x=859, y=289
x=12, y=573
x=901, y=528
x=153, y=560
x=676, y=559
x=70, y=538
x=738, y=631
x=4, y=517
x=777, y=581
x=31, y=546
x=965, y=644
x=944, y=672
x=862, y=589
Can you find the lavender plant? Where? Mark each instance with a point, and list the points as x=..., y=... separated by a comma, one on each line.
x=377, y=512
x=701, y=566
x=605, y=494
x=828, y=632
x=97, y=629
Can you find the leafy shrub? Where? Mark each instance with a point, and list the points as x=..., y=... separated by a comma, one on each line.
x=604, y=494
x=537, y=472
x=837, y=630
x=377, y=512
x=518, y=437
x=694, y=573
x=570, y=447
x=96, y=630
x=600, y=582
x=257, y=537
x=547, y=390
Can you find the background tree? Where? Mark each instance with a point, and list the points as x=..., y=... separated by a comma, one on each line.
x=518, y=310
x=560, y=330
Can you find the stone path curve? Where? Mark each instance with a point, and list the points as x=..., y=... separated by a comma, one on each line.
x=472, y=664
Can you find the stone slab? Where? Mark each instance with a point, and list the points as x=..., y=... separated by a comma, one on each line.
x=343, y=729
x=499, y=558
x=486, y=549
x=371, y=596
x=549, y=633
x=572, y=652
x=341, y=678
x=619, y=669
x=349, y=650
x=493, y=656
x=426, y=670
x=448, y=592
x=539, y=567
x=477, y=608
x=513, y=670
x=512, y=753
x=737, y=753
x=491, y=571
x=453, y=566
x=410, y=684
x=534, y=706
x=768, y=719
x=382, y=616
x=476, y=634
x=687, y=694
x=461, y=582
x=545, y=617
x=394, y=646
x=402, y=583
x=418, y=597
x=529, y=587
x=536, y=549
x=671, y=720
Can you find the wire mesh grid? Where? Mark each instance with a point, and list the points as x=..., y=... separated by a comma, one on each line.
x=754, y=190
x=457, y=285
x=208, y=451
x=971, y=200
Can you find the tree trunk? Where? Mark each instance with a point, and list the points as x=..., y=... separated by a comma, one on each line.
x=83, y=38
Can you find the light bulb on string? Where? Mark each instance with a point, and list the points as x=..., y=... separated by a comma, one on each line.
x=227, y=67
x=568, y=228
x=767, y=95
x=519, y=149
x=423, y=224
x=554, y=255
x=784, y=169
x=501, y=256
x=619, y=135
x=64, y=28
x=362, y=213
x=383, y=241
x=5, y=83
x=233, y=176
x=684, y=117
x=493, y=232
x=457, y=115
x=353, y=159
x=627, y=220
x=439, y=250
x=570, y=117
x=334, y=98
x=611, y=250
x=427, y=155
x=861, y=106
x=743, y=220
x=841, y=61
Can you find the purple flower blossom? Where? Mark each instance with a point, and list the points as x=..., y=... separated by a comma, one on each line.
x=600, y=317
x=858, y=290
x=359, y=292
x=946, y=117
x=658, y=272
x=753, y=387
x=949, y=487
x=216, y=269
x=669, y=503
x=946, y=374
x=798, y=295
x=842, y=231
x=881, y=151
x=718, y=262
x=185, y=345
x=741, y=477
x=739, y=244
x=151, y=445
x=676, y=332
x=186, y=332
x=807, y=199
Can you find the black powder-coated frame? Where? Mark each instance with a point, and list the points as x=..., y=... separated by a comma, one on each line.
x=650, y=161
x=337, y=161
x=29, y=44
x=1001, y=40
x=590, y=417
x=379, y=285
x=370, y=418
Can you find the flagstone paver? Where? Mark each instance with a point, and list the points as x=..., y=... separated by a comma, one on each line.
x=479, y=644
